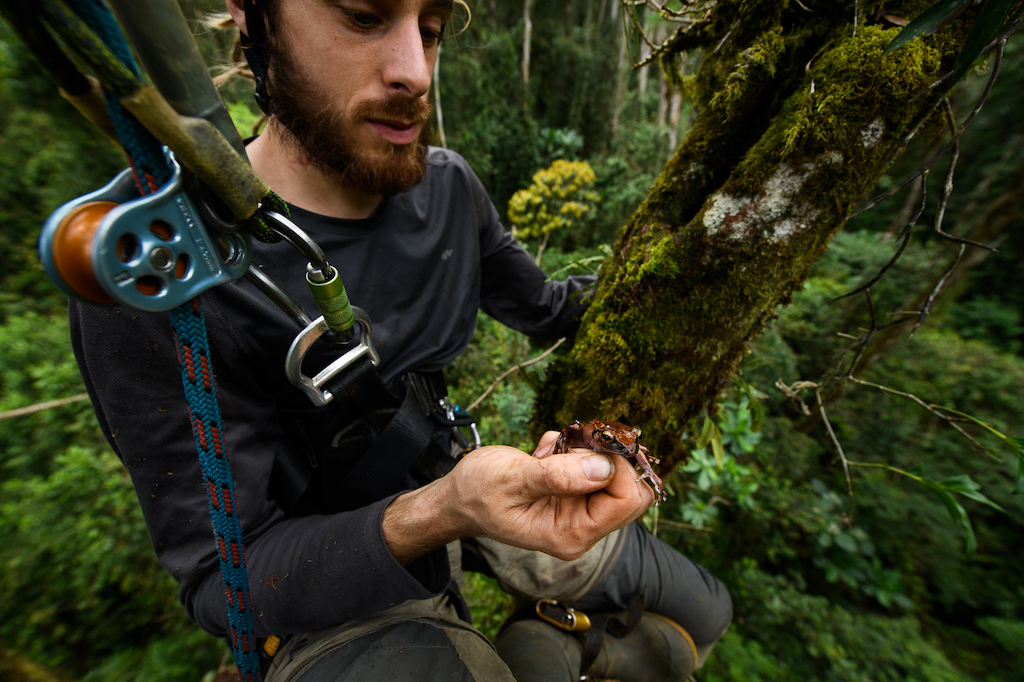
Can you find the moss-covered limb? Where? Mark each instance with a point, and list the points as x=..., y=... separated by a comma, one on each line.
x=687, y=289
x=756, y=82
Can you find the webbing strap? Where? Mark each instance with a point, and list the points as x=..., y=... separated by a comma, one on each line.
x=611, y=624
x=152, y=171
x=381, y=470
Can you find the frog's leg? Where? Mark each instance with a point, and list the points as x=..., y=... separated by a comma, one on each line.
x=656, y=482
x=647, y=455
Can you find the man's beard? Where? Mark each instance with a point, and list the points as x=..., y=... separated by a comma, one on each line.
x=325, y=138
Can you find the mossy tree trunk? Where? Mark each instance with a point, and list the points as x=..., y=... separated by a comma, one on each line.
x=799, y=116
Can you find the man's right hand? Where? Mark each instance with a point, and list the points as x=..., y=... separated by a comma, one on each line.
x=558, y=504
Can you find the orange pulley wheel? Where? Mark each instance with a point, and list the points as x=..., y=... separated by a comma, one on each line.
x=72, y=248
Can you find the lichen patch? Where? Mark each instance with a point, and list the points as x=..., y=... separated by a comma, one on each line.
x=872, y=133
x=775, y=212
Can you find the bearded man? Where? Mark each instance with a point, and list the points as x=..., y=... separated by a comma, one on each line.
x=355, y=562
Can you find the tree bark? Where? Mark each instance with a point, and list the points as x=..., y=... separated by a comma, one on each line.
x=799, y=118
x=527, y=38
x=621, y=78
x=437, y=99
x=673, y=119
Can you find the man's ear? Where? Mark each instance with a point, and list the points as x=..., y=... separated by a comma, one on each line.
x=237, y=11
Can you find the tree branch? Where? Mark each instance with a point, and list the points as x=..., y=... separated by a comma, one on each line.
x=509, y=371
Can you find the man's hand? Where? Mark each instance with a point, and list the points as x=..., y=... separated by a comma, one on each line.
x=558, y=504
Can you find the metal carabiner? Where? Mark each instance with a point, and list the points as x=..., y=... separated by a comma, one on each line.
x=313, y=386
x=453, y=412
x=563, y=616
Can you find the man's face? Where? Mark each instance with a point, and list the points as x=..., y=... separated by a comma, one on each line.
x=349, y=82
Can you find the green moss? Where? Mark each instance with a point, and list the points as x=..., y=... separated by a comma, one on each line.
x=757, y=62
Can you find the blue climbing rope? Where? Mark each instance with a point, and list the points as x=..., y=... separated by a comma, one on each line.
x=151, y=172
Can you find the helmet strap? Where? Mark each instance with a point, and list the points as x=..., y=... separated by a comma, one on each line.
x=254, y=47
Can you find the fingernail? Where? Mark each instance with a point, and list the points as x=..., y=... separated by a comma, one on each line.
x=597, y=468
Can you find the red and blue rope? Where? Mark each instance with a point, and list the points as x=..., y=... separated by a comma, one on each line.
x=151, y=171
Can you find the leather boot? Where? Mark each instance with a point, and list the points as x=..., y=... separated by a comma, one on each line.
x=538, y=652
x=656, y=650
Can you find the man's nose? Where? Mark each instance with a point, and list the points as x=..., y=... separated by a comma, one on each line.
x=409, y=65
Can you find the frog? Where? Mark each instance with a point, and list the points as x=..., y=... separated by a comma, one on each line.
x=612, y=438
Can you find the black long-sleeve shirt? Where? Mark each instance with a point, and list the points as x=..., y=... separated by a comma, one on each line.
x=421, y=266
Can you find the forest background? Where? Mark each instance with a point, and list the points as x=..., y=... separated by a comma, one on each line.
x=826, y=588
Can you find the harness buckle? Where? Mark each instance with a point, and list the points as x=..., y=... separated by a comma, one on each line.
x=561, y=616
x=313, y=386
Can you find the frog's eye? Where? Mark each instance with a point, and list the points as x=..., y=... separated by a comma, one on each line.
x=607, y=436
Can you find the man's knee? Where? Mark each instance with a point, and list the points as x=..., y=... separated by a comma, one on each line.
x=397, y=652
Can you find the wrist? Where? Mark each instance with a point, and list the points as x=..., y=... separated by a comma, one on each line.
x=422, y=520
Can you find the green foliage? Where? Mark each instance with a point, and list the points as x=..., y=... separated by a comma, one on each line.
x=846, y=553
x=990, y=319
x=76, y=559
x=184, y=653
x=39, y=171
x=721, y=477
x=559, y=143
x=809, y=638
x=244, y=118
x=488, y=605
x=37, y=366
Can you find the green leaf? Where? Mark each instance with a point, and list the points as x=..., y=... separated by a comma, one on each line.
x=706, y=431
x=924, y=21
x=967, y=487
x=758, y=417
x=971, y=542
x=1019, y=444
x=1016, y=15
x=957, y=513
x=847, y=543
x=718, y=448
x=990, y=18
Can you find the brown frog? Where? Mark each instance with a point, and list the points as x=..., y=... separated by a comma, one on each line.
x=611, y=438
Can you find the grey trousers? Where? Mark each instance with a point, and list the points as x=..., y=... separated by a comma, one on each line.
x=425, y=640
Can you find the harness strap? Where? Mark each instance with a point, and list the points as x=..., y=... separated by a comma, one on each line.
x=383, y=468
x=602, y=623
x=254, y=47
x=368, y=443
x=360, y=391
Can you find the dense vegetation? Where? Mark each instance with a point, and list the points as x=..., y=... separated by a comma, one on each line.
x=877, y=587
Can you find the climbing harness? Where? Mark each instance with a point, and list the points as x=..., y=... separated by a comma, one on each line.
x=180, y=221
